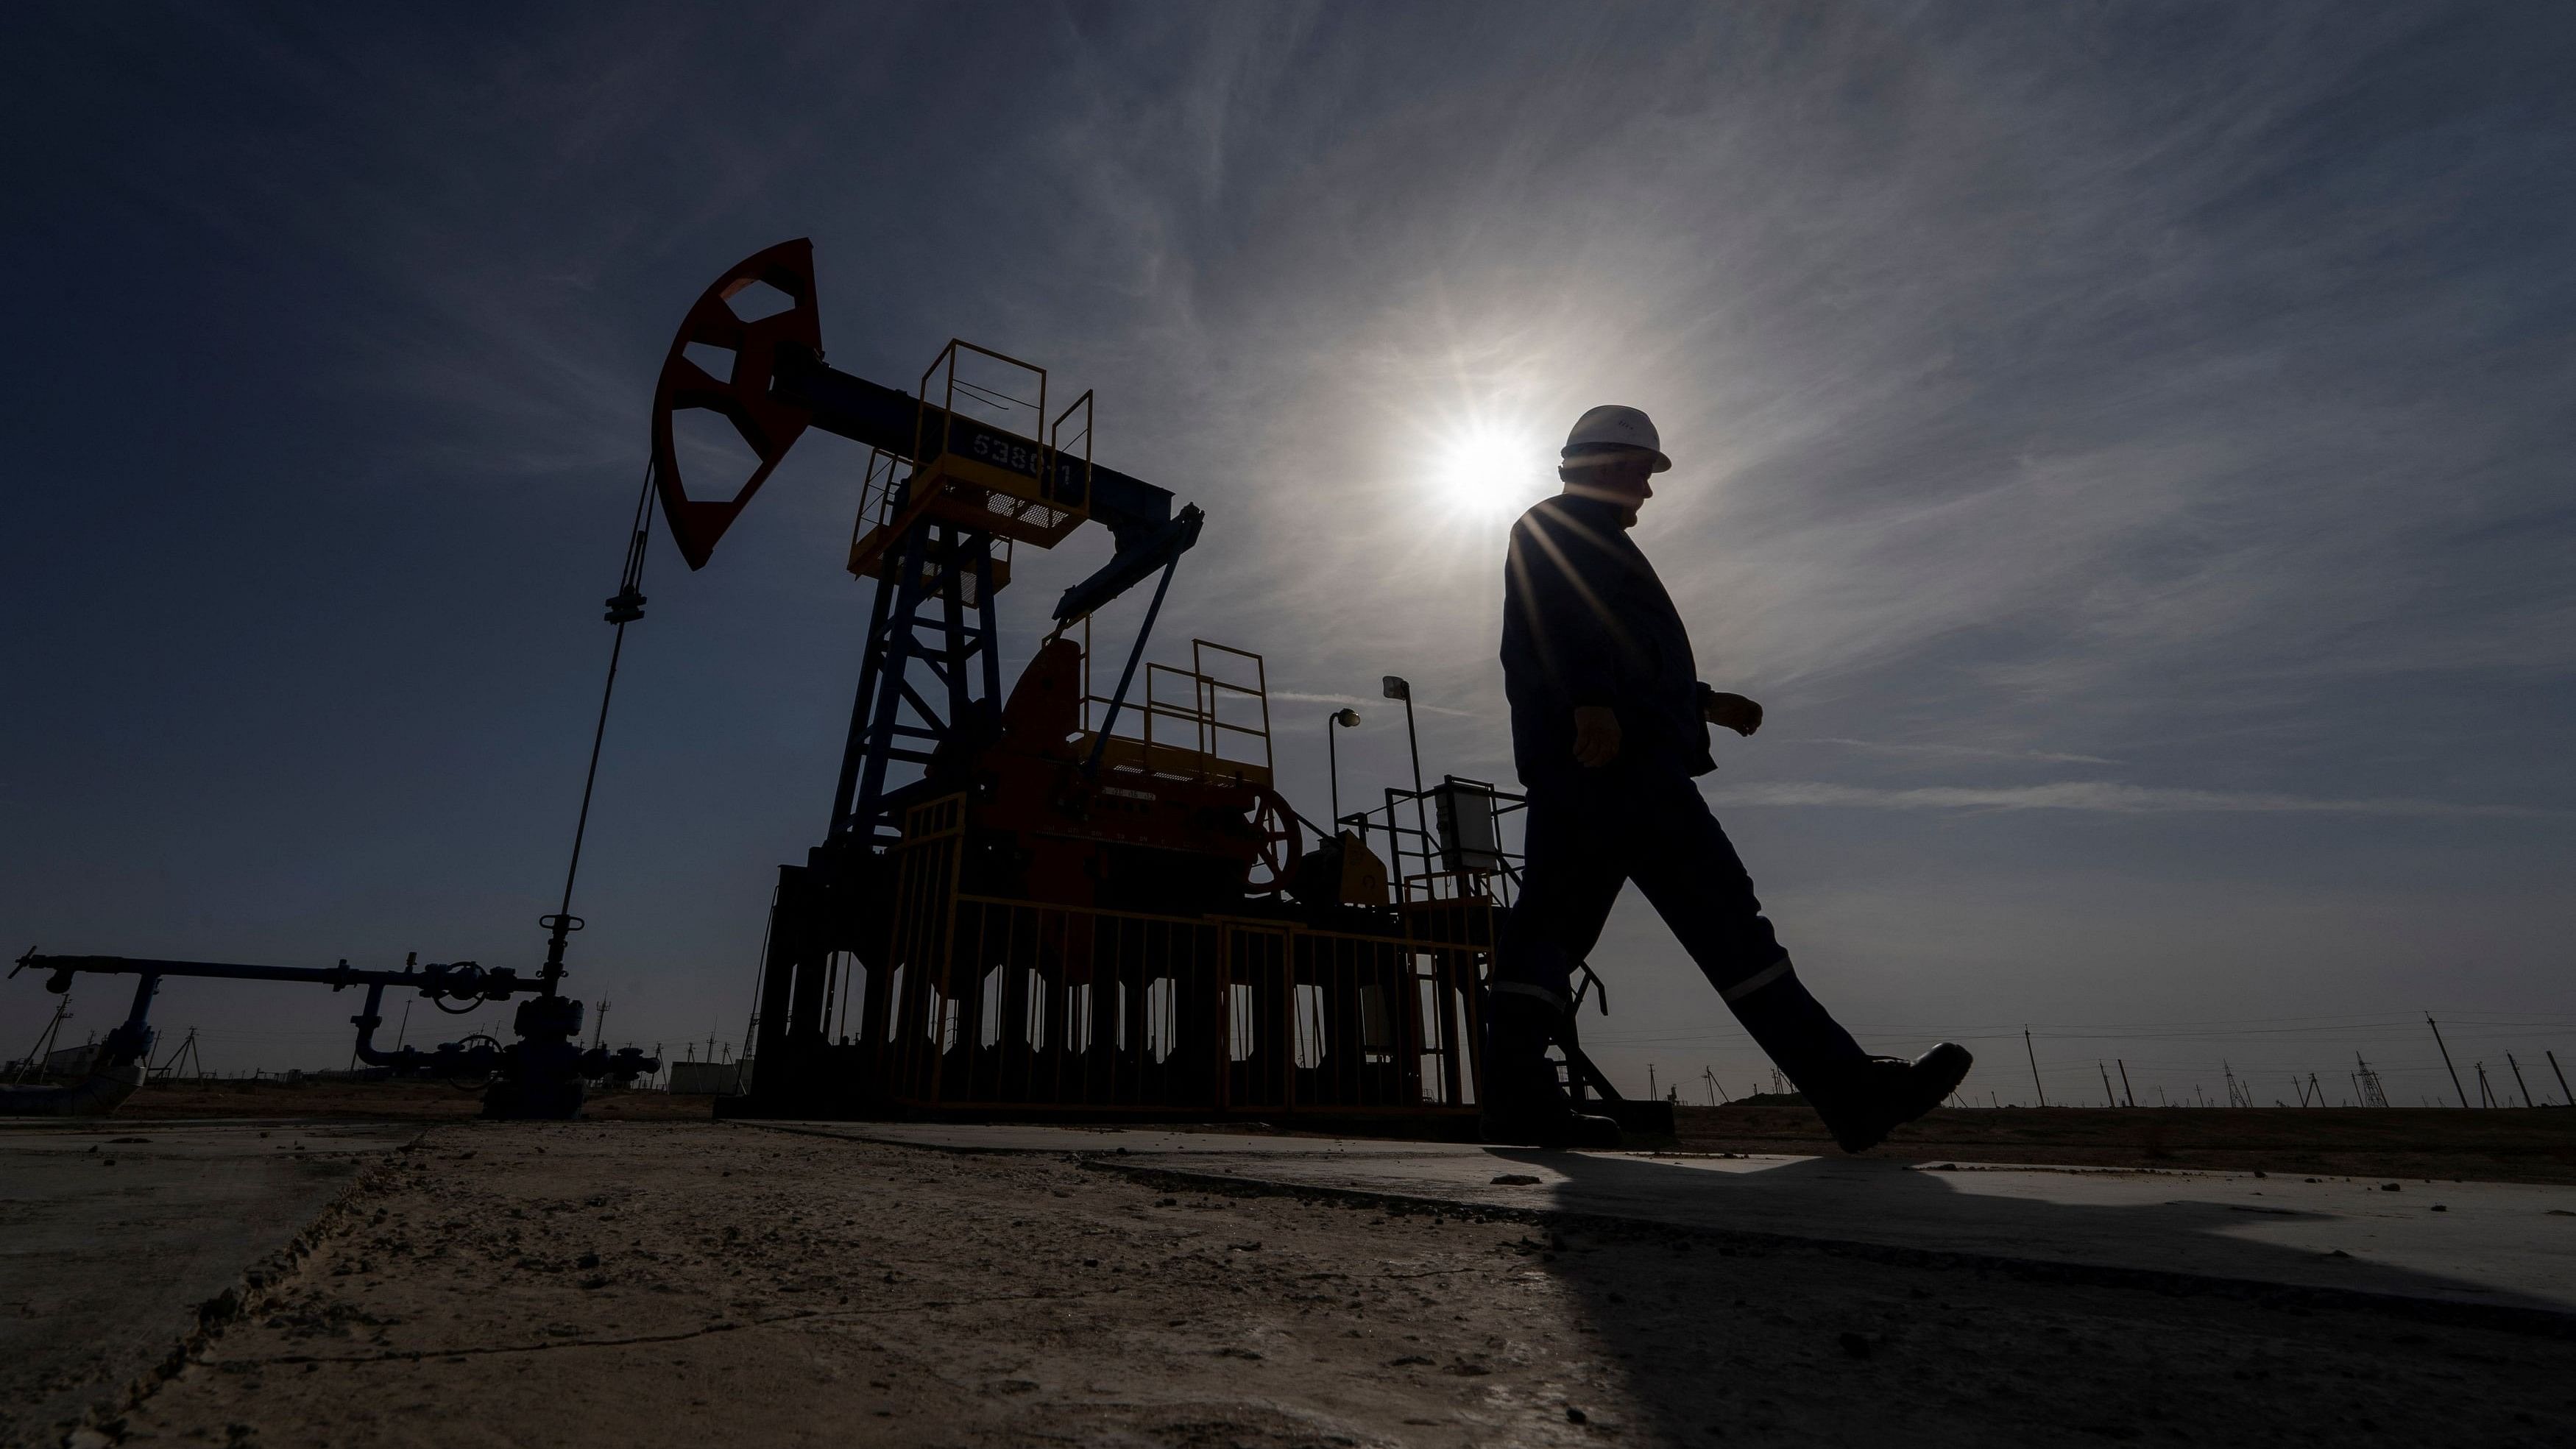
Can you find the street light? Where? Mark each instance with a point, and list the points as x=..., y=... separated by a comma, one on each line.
x=1338, y=719
x=1396, y=688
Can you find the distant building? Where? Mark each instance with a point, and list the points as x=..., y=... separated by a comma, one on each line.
x=720, y=1079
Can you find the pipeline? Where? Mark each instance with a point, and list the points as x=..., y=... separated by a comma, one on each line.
x=459, y=1059
x=541, y=1075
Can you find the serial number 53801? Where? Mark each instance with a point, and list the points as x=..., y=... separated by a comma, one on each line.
x=1018, y=457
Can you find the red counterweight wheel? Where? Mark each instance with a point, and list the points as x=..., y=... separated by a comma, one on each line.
x=1281, y=846
x=767, y=425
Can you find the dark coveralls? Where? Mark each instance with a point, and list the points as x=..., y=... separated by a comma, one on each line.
x=1587, y=622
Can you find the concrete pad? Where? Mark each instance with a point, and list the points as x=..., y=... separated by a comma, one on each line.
x=113, y=1233
x=2497, y=1244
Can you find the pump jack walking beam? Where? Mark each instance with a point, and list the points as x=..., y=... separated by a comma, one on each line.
x=779, y=385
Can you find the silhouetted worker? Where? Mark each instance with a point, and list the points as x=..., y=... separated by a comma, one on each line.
x=1609, y=725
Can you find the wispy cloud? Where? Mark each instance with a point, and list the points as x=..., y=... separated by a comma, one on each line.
x=2097, y=795
x=1884, y=747
x=1302, y=697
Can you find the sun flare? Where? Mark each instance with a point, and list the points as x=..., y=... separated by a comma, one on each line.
x=1489, y=468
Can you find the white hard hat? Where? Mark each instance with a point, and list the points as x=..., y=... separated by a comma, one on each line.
x=1611, y=426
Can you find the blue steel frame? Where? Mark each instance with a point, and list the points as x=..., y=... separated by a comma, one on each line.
x=930, y=633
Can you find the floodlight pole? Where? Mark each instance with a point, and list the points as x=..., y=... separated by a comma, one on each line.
x=1397, y=688
x=1339, y=719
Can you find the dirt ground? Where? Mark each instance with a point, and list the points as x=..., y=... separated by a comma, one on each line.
x=713, y=1284
x=376, y=1102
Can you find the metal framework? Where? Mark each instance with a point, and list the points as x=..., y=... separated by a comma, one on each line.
x=929, y=663
x=982, y=1005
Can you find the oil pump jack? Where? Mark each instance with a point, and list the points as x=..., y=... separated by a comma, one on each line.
x=1078, y=903
x=1056, y=902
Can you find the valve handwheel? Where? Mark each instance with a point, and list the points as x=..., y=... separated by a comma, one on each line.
x=766, y=425
x=1281, y=846
x=473, y=1078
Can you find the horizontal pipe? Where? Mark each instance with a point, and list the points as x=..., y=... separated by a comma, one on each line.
x=462, y=979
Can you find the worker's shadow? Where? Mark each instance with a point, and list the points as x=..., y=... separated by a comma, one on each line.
x=1870, y=1209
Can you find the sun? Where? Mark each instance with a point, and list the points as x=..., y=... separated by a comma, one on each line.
x=1487, y=467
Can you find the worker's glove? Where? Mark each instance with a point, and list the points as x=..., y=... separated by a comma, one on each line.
x=1732, y=711
x=1596, y=736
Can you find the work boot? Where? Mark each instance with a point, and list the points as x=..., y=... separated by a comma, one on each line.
x=1523, y=1103
x=1897, y=1092
x=1861, y=1098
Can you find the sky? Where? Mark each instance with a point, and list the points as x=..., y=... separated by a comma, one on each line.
x=2126, y=448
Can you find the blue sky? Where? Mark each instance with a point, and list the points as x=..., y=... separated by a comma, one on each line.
x=2126, y=447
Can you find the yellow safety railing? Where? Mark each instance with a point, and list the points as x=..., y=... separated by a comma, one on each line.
x=1181, y=719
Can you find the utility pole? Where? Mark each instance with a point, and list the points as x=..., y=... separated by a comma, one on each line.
x=1651, y=1093
x=2124, y=1081
x=169, y=1067
x=599, y=1023
x=2108, y=1100
x=2562, y=1078
x=2517, y=1078
x=2486, y=1094
x=2034, y=1067
x=35, y=1061
x=2446, y=1058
